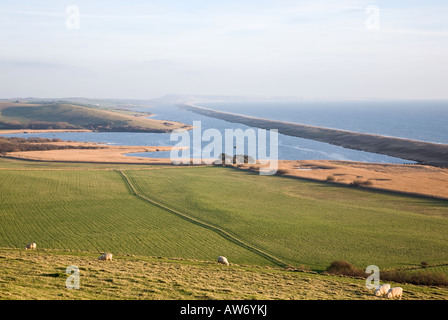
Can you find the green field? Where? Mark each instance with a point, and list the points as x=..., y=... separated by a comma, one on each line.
x=198, y=213
x=306, y=223
x=94, y=211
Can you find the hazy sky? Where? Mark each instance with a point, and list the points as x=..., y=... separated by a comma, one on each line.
x=145, y=49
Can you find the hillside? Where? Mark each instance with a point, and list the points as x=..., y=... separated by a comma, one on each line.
x=59, y=115
x=177, y=220
x=41, y=274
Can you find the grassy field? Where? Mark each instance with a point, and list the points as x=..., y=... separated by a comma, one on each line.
x=184, y=217
x=41, y=275
x=94, y=211
x=56, y=115
x=7, y=164
x=303, y=222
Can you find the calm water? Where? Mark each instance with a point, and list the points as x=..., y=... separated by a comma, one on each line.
x=400, y=120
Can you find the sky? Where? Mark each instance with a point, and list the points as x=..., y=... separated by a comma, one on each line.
x=310, y=49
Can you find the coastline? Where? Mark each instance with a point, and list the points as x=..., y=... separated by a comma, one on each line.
x=420, y=179
x=418, y=151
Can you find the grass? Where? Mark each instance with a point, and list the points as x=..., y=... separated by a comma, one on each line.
x=41, y=275
x=94, y=211
x=165, y=241
x=54, y=115
x=303, y=222
x=361, y=183
x=417, y=276
x=437, y=269
x=6, y=163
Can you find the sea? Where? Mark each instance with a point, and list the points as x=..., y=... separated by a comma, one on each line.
x=416, y=120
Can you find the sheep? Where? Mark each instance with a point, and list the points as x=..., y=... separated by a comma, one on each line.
x=31, y=246
x=381, y=290
x=223, y=260
x=395, y=292
x=105, y=256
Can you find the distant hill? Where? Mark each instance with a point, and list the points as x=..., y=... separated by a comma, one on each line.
x=179, y=98
x=63, y=115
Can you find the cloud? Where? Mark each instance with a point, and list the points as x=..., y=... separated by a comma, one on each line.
x=29, y=64
x=414, y=32
x=282, y=46
x=40, y=13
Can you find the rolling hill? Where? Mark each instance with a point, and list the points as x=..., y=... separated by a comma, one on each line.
x=60, y=115
x=166, y=225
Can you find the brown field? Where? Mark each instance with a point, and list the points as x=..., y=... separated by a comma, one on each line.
x=104, y=154
x=414, y=179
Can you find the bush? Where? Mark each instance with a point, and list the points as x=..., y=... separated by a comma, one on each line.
x=361, y=183
x=418, y=278
x=225, y=159
x=12, y=144
x=281, y=172
x=330, y=178
x=254, y=168
x=242, y=158
x=345, y=268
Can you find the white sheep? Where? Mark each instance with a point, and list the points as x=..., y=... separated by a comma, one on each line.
x=223, y=260
x=31, y=246
x=395, y=292
x=381, y=290
x=106, y=256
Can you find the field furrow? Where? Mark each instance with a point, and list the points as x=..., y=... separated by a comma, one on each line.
x=94, y=211
x=302, y=222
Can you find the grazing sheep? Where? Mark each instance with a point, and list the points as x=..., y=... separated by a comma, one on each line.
x=223, y=260
x=31, y=246
x=381, y=290
x=106, y=256
x=395, y=292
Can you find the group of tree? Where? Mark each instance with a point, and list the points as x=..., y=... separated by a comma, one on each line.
x=14, y=144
